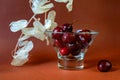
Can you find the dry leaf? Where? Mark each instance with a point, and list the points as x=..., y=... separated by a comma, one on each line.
x=51, y=16
x=69, y=4
x=41, y=6
x=18, y=25
x=21, y=56
x=37, y=31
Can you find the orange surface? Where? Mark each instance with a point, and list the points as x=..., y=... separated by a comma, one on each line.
x=100, y=15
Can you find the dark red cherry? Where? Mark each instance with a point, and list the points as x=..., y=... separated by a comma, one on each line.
x=69, y=37
x=76, y=52
x=58, y=43
x=57, y=33
x=64, y=51
x=104, y=65
x=79, y=41
x=86, y=36
x=72, y=46
x=67, y=27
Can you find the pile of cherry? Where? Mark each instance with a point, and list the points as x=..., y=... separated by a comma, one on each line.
x=70, y=42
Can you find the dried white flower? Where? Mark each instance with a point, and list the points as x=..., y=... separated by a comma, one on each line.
x=47, y=24
x=23, y=38
x=18, y=62
x=51, y=16
x=41, y=6
x=37, y=31
x=18, y=25
x=21, y=56
x=65, y=1
x=69, y=3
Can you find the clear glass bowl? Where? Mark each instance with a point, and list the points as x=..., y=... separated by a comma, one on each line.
x=71, y=47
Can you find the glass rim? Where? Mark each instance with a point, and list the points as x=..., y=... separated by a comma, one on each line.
x=91, y=32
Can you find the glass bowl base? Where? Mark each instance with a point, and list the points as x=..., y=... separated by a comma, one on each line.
x=71, y=64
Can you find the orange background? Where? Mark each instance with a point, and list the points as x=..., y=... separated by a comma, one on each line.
x=100, y=15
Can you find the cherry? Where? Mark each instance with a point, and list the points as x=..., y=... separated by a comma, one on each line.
x=104, y=65
x=86, y=37
x=79, y=41
x=67, y=27
x=64, y=51
x=69, y=37
x=76, y=52
x=58, y=43
x=74, y=48
x=57, y=33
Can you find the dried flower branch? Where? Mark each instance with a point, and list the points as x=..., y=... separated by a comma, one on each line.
x=23, y=46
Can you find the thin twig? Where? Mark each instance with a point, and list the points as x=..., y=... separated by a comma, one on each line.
x=16, y=46
x=45, y=17
x=30, y=1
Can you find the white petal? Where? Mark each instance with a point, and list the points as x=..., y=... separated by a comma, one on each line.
x=18, y=25
x=18, y=62
x=40, y=36
x=21, y=56
x=39, y=2
x=22, y=53
x=38, y=26
x=22, y=43
x=28, y=31
x=61, y=1
x=42, y=9
x=48, y=23
x=51, y=15
x=23, y=38
x=28, y=47
x=47, y=6
x=54, y=24
x=40, y=6
x=37, y=31
x=69, y=5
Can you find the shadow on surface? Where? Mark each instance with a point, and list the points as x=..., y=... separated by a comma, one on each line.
x=37, y=58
